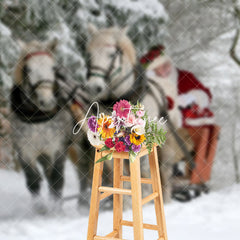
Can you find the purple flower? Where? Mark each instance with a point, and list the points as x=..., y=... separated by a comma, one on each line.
x=92, y=124
x=136, y=148
x=126, y=149
x=127, y=140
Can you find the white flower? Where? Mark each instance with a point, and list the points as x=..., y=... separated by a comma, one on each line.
x=120, y=134
x=94, y=138
x=114, y=114
x=111, y=125
x=138, y=129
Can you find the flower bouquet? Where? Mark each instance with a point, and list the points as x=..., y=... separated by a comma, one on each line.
x=127, y=129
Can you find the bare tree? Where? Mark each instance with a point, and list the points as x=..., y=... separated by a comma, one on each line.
x=236, y=59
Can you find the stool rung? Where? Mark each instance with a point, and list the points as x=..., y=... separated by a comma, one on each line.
x=115, y=190
x=149, y=198
x=105, y=195
x=106, y=238
x=145, y=225
x=112, y=234
x=143, y=180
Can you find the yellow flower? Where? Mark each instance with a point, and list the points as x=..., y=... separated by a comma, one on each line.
x=137, y=139
x=104, y=129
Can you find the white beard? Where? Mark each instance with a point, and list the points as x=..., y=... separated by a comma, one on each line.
x=169, y=85
x=172, y=77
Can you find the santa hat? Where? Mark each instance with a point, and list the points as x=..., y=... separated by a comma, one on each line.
x=155, y=57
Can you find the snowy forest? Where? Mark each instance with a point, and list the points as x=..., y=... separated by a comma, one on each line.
x=200, y=36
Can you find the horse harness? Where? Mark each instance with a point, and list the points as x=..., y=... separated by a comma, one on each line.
x=108, y=74
x=164, y=113
x=22, y=105
x=30, y=113
x=26, y=110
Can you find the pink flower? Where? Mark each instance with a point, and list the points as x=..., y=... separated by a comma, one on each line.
x=130, y=120
x=122, y=108
x=140, y=113
x=140, y=122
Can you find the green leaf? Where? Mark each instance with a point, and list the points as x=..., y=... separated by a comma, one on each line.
x=132, y=156
x=104, y=148
x=107, y=157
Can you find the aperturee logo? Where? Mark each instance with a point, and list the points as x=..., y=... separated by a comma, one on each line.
x=126, y=129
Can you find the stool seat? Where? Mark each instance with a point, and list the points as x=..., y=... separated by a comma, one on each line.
x=100, y=192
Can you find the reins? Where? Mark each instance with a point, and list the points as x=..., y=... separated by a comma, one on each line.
x=70, y=90
x=170, y=124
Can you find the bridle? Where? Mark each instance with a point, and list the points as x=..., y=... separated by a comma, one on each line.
x=109, y=73
x=25, y=70
x=23, y=105
x=106, y=74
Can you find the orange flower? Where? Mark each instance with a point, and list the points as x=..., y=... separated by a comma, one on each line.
x=104, y=129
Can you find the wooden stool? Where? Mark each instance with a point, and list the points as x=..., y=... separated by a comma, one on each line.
x=99, y=192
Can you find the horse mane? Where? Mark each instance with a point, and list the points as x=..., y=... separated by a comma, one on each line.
x=122, y=40
x=30, y=47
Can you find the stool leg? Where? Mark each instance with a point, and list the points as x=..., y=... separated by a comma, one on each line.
x=156, y=186
x=117, y=198
x=136, y=199
x=95, y=197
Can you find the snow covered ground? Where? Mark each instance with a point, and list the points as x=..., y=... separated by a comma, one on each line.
x=213, y=216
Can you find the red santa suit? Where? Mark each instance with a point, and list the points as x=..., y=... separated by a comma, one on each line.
x=194, y=100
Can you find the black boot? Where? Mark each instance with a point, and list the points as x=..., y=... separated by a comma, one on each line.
x=181, y=194
x=205, y=188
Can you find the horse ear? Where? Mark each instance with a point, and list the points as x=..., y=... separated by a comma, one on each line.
x=21, y=44
x=52, y=45
x=92, y=29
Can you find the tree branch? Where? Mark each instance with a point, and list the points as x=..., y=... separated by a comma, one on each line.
x=233, y=48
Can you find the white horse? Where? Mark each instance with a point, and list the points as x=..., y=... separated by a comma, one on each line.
x=41, y=125
x=112, y=76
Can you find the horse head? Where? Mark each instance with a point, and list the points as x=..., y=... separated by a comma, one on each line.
x=111, y=60
x=35, y=73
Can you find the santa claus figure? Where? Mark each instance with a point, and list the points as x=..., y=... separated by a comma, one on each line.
x=186, y=92
x=194, y=101
x=159, y=67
